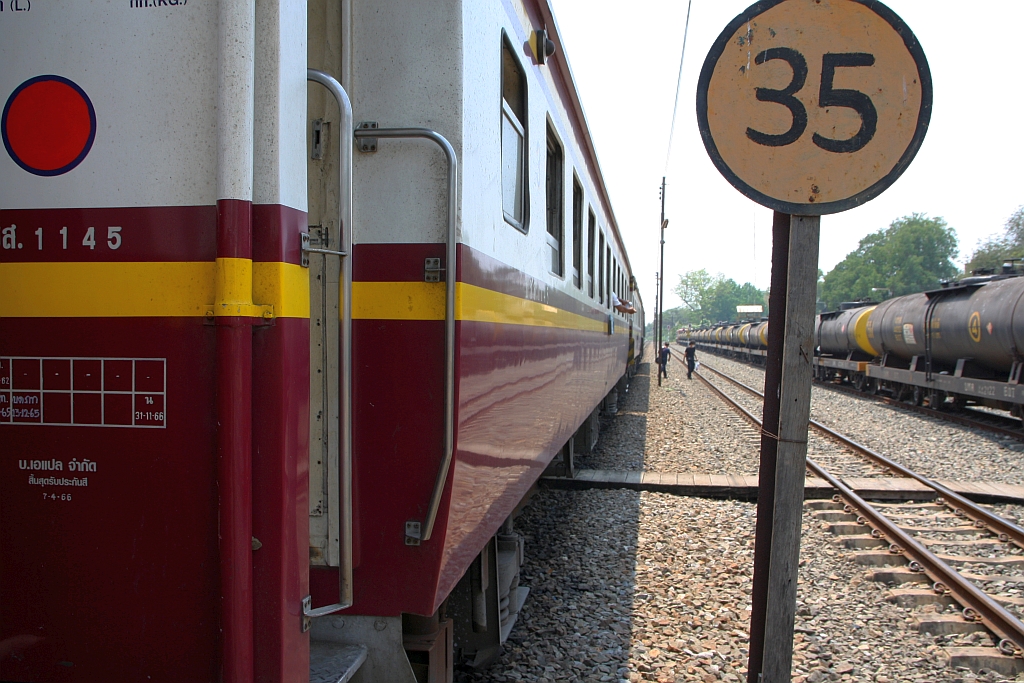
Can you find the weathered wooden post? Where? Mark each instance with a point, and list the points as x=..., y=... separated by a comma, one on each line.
x=808, y=108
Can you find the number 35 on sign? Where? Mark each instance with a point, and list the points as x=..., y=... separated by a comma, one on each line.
x=812, y=107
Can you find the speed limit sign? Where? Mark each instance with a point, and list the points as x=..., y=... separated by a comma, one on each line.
x=812, y=107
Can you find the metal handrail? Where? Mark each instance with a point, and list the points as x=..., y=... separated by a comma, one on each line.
x=345, y=143
x=449, y=306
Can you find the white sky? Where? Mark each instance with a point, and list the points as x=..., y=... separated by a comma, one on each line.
x=625, y=59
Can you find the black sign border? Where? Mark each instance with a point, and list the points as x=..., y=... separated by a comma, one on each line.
x=811, y=209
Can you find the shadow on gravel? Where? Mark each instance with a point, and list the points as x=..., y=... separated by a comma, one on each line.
x=580, y=565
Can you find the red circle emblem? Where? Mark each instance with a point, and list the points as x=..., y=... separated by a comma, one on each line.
x=48, y=125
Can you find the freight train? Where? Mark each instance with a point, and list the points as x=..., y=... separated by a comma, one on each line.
x=300, y=298
x=948, y=348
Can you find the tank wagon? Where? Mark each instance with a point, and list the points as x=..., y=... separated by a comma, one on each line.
x=294, y=317
x=951, y=347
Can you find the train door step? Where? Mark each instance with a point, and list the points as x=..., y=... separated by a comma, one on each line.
x=334, y=662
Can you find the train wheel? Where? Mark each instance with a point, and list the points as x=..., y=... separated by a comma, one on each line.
x=859, y=381
x=917, y=396
x=871, y=386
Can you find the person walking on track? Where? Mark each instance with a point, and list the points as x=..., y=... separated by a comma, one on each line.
x=663, y=356
x=691, y=359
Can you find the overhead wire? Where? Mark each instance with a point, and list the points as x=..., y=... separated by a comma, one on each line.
x=679, y=83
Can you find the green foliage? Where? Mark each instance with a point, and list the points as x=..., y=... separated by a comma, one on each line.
x=994, y=251
x=674, y=319
x=710, y=298
x=913, y=254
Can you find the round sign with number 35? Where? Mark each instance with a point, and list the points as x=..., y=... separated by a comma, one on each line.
x=812, y=107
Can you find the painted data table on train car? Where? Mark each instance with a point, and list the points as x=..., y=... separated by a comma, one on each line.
x=97, y=392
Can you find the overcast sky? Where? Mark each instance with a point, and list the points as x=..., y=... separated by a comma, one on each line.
x=625, y=59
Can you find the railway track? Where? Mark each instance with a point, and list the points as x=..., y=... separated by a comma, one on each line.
x=931, y=538
x=967, y=417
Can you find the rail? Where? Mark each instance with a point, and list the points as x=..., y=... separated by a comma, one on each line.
x=1006, y=530
x=978, y=606
x=1013, y=432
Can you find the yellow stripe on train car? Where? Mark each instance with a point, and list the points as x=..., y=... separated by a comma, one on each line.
x=188, y=288
x=146, y=289
x=426, y=301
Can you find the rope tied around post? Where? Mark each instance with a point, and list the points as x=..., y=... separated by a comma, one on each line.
x=777, y=438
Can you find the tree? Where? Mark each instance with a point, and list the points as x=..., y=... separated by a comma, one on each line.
x=994, y=251
x=693, y=288
x=914, y=254
x=674, y=319
x=710, y=298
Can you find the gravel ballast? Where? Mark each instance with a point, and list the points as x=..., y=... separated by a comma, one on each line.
x=642, y=586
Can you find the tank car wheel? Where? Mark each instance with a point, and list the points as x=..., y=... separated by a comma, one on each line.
x=859, y=381
x=917, y=396
x=871, y=385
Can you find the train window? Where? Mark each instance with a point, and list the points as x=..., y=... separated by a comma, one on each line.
x=617, y=290
x=555, y=200
x=591, y=230
x=577, y=230
x=618, y=284
x=600, y=268
x=608, y=272
x=513, y=138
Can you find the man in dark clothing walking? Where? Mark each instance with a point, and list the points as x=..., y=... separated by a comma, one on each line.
x=691, y=359
x=663, y=356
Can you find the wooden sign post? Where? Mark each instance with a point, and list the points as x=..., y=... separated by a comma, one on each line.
x=808, y=107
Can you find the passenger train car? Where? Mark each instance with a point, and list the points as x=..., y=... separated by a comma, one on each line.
x=949, y=348
x=299, y=301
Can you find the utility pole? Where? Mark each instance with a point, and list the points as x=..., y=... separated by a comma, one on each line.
x=661, y=283
x=654, y=323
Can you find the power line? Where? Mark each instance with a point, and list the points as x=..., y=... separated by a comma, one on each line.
x=679, y=83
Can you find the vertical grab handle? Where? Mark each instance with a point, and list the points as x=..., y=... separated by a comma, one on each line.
x=449, y=306
x=345, y=142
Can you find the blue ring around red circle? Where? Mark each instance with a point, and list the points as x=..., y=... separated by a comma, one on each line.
x=88, y=143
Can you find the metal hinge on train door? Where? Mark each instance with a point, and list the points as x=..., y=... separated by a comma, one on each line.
x=432, y=270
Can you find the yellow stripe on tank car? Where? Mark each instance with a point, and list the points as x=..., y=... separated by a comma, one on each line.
x=860, y=332
x=147, y=289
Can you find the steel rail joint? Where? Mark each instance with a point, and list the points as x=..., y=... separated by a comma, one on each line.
x=449, y=306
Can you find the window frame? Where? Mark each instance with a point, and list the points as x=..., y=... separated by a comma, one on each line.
x=577, y=231
x=521, y=127
x=554, y=190
x=591, y=255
